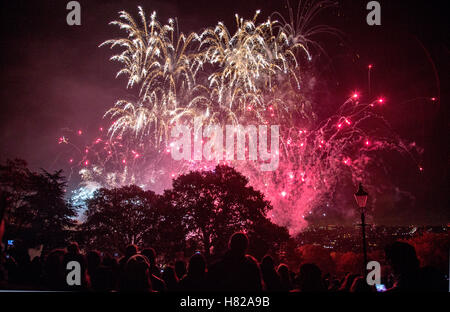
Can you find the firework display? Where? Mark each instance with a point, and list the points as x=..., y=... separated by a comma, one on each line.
x=252, y=75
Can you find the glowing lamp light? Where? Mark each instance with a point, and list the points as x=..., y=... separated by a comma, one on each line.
x=370, y=66
x=380, y=100
x=71, y=160
x=420, y=168
x=80, y=132
x=433, y=99
x=361, y=196
x=367, y=143
x=355, y=95
x=86, y=163
x=339, y=125
x=124, y=161
x=283, y=193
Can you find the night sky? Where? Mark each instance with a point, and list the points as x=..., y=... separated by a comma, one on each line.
x=54, y=76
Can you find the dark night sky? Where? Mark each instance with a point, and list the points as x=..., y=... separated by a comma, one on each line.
x=53, y=76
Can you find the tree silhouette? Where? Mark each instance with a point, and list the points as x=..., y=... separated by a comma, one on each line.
x=51, y=220
x=15, y=185
x=212, y=205
x=36, y=211
x=120, y=216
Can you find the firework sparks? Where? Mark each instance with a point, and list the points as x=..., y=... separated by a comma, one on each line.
x=155, y=58
x=254, y=76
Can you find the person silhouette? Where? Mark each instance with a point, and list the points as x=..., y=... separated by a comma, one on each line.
x=236, y=271
x=285, y=278
x=402, y=259
x=195, y=279
x=137, y=275
x=151, y=257
x=170, y=278
x=269, y=274
x=310, y=278
x=155, y=275
x=180, y=268
x=408, y=276
x=73, y=254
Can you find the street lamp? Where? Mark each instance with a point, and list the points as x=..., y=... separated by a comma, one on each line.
x=361, y=200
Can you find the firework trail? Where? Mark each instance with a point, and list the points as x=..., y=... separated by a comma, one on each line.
x=155, y=59
x=248, y=63
x=253, y=76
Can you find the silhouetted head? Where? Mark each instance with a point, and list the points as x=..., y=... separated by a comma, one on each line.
x=197, y=265
x=73, y=248
x=310, y=278
x=283, y=271
x=137, y=277
x=401, y=257
x=109, y=261
x=267, y=263
x=238, y=243
x=131, y=250
x=150, y=254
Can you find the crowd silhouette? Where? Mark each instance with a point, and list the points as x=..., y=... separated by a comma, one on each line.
x=137, y=271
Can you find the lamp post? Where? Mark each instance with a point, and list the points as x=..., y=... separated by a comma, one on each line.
x=361, y=200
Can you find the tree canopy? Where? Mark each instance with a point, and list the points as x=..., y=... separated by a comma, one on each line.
x=212, y=205
x=200, y=212
x=36, y=209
